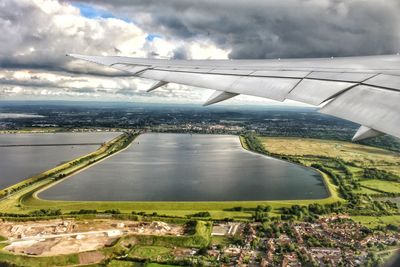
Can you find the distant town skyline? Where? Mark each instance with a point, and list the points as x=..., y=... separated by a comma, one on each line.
x=36, y=35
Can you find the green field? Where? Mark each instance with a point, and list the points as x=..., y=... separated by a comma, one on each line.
x=120, y=263
x=159, y=265
x=350, y=152
x=386, y=186
x=373, y=221
x=220, y=240
x=153, y=253
x=201, y=238
x=366, y=191
x=20, y=260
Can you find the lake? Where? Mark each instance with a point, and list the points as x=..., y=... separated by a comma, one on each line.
x=25, y=155
x=184, y=167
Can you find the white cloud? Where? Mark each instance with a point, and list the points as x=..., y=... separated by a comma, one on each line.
x=36, y=35
x=207, y=50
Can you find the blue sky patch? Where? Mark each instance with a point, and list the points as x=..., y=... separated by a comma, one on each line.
x=151, y=36
x=93, y=12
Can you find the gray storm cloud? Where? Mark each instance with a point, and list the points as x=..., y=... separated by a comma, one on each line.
x=271, y=29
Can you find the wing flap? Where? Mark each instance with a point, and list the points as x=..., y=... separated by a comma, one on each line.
x=340, y=76
x=315, y=92
x=280, y=73
x=387, y=81
x=185, y=69
x=272, y=88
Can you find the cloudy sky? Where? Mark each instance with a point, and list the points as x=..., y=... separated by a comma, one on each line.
x=35, y=35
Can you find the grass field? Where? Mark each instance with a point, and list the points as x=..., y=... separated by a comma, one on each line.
x=373, y=221
x=20, y=260
x=220, y=240
x=153, y=253
x=159, y=265
x=362, y=155
x=366, y=191
x=386, y=186
x=201, y=238
x=120, y=263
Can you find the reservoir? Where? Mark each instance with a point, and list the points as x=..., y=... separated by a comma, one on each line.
x=25, y=155
x=184, y=167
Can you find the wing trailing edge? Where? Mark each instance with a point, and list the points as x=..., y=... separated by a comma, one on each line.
x=365, y=90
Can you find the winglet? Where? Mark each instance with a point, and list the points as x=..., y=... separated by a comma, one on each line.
x=156, y=85
x=219, y=96
x=365, y=132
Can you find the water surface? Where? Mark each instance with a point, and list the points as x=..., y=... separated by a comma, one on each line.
x=25, y=155
x=184, y=167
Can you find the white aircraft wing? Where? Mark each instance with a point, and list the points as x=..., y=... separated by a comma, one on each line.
x=365, y=90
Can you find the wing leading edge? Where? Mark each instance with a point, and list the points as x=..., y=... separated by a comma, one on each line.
x=365, y=90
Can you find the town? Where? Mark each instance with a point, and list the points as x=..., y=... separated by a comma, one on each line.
x=329, y=241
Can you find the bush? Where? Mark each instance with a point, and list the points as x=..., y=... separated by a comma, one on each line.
x=113, y=211
x=84, y=212
x=201, y=214
x=45, y=212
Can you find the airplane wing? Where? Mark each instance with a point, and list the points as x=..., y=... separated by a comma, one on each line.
x=365, y=90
